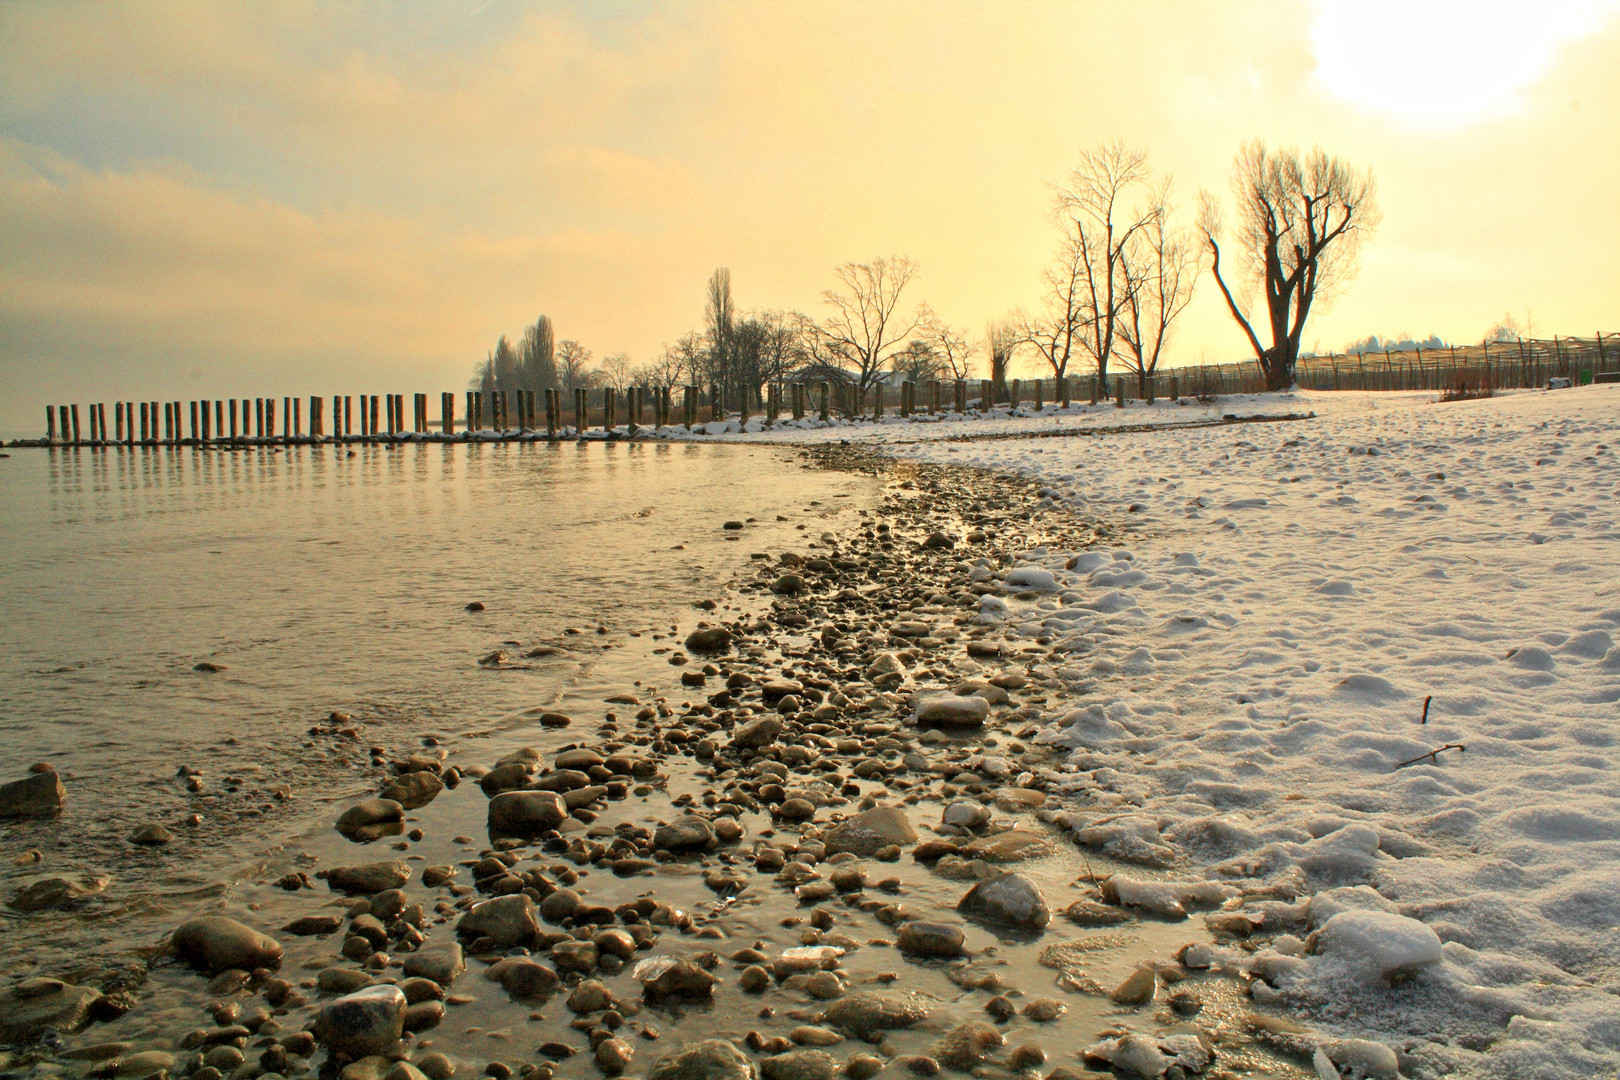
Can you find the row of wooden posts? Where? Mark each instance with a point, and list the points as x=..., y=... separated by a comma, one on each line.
x=510, y=413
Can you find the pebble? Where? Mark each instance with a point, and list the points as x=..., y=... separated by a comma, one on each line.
x=930, y=939
x=1009, y=900
x=217, y=943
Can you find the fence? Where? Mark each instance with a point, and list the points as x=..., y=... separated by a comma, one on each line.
x=537, y=414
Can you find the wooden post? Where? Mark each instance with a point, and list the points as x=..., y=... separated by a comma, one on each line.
x=74, y=412
x=581, y=410
x=877, y=401
x=90, y=415
x=101, y=420
x=1119, y=392
x=717, y=404
x=1012, y=394
x=796, y=390
x=825, y=394
x=1602, y=360
x=1096, y=389
x=689, y=406
x=985, y=395
x=1175, y=388
x=959, y=393
x=270, y=419
x=935, y=397
x=1038, y=388
x=50, y=423
x=145, y=423
x=194, y=429
x=118, y=420
x=1061, y=391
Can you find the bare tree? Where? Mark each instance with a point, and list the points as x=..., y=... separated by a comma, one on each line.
x=1301, y=221
x=918, y=362
x=865, y=329
x=1161, y=268
x=678, y=364
x=954, y=350
x=1002, y=338
x=1057, y=330
x=616, y=369
x=1102, y=226
x=1506, y=331
x=574, y=366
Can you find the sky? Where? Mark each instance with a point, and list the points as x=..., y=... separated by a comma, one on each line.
x=212, y=200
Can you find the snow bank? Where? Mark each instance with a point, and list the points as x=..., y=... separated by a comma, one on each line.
x=1248, y=664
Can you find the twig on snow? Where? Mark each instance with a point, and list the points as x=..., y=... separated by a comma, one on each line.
x=1426, y=701
x=1432, y=755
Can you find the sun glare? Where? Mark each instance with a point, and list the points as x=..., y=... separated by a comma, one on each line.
x=1444, y=65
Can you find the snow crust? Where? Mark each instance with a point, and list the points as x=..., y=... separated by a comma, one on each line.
x=1247, y=668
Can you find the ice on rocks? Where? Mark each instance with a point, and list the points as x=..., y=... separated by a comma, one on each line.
x=1166, y=899
x=1377, y=945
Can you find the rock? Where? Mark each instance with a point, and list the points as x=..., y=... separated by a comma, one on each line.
x=760, y=731
x=312, y=925
x=1014, y=845
x=414, y=789
x=362, y=820
x=1138, y=989
x=525, y=813
x=965, y=1045
x=145, y=1063
x=217, y=943
x=613, y=1056
x=995, y=695
x=796, y=810
x=870, y=830
x=368, y=878
x=966, y=814
x=863, y=1066
x=788, y=585
x=711, y=1059
x=57, y=892
x=938, y=541
x=710, y=639
x=1091, y=913
x=800, y=1065
x=689, y=833
x=152, y=834
x=1044, y=1010
x=666, y=976
x=441, y=963
x=436, y=1067
x=1133, y=1054
x=812, y=1035
x=754, y=979
x=952, y=711
x=589, y=996
x=526, y=978
x=886, y=672
x=1007, y=900
x=506, y=920
x=31, y=1006
x=560, y=905
x=363, y=1023
x=868, y=1014
x=930, y=939
x=36, y=796
x=1017, y=800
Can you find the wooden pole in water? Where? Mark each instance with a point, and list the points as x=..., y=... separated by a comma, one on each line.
x=101, y=414
x=270, y=419
x=145, y=421
x=74, y=412
x=94, y=426
x=50, y=423
x=986, y=398
x=375, y=414
x=233, y=420
x=118, y=420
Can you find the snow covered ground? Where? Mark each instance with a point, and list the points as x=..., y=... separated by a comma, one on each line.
x=1250, y=669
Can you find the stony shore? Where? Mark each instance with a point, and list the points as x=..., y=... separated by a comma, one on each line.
x=814, y=841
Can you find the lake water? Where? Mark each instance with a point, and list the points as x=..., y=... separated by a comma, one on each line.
x=324, y=579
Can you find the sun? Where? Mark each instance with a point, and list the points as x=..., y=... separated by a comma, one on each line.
x=1438, y=65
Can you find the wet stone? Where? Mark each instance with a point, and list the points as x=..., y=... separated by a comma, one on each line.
x=930, y=939
x=30, y=1007
x=1009, y=900
x=216, y=943
x=368, y=878
x=364, y=1023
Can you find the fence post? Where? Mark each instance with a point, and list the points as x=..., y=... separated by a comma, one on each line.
x=826, y=394
x=985, y=399
x=1012, y=394
x=1096, y=388
x=1119, y=392
x=960, y=391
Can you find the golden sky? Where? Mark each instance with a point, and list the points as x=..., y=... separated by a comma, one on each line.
x=204, y=200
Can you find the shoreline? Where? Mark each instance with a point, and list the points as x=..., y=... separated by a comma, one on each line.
x=687, y=775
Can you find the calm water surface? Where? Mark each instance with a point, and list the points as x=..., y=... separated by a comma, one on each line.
x=322, y=579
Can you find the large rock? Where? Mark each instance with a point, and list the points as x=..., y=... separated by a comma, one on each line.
x=952, y=711
x=669, y=977
x=216, y=943
x=526, y=812
x=414, y=789
x=933, y=939
x=801, y=1065
x=1007, y=900
x=1014, y=845
x=712, y=1059
x=369, y=819
x=29, y=1007
x=366, y=1022
x=507, y=920
x=886, y=672
x=440, y=963
x=760, y=731
x=57, y=892
x=866, y=832
x=689, y=833
x=36, y=796
x=865, y=1015
x=710, y=639
x=368, y=878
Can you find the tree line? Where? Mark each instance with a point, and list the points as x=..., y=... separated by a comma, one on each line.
x=1124, y=269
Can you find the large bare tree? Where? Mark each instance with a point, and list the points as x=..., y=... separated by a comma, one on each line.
x=1055, y=333
x=866, y=327
x=1162, y=265
x=1300, y=224
x=1102, y=223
